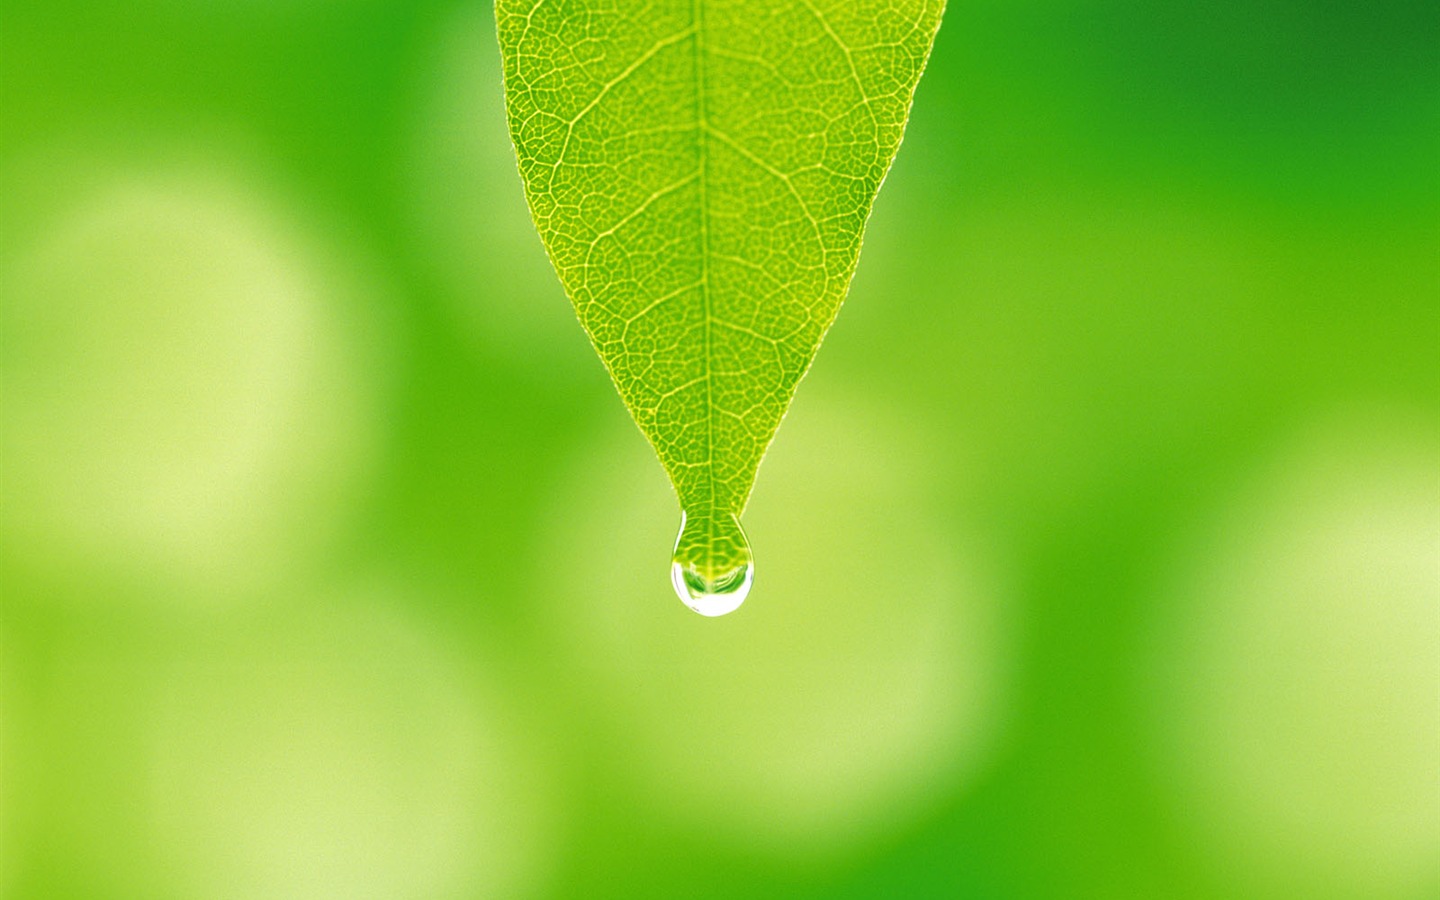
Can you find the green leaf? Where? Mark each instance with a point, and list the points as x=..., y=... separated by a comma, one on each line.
x=701, y=172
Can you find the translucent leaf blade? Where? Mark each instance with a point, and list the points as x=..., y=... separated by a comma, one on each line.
x=701, y=173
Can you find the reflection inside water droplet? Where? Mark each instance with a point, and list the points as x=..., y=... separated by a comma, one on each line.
x=712, y=568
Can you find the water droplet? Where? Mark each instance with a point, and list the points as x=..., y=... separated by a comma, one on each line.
x=712, y=568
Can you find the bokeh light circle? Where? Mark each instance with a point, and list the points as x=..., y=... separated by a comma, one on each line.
x=342, y=753
x=187, y=395
x=1296, y=687
x=857, y=685
x=472, y=225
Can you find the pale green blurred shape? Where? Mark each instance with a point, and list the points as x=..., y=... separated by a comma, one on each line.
x=1300, y=693
x=339, y=747
x=185, y=405
x=341, y=753
x=472, y=227
x=866, y=672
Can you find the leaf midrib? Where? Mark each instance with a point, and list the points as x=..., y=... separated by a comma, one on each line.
x=697, y=24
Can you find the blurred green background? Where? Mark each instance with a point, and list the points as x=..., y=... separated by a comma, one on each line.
x=1098, y=557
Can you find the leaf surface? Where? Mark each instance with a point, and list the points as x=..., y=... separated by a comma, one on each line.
x=701, y=172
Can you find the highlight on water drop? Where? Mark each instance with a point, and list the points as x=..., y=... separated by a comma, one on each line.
x=712, y=568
